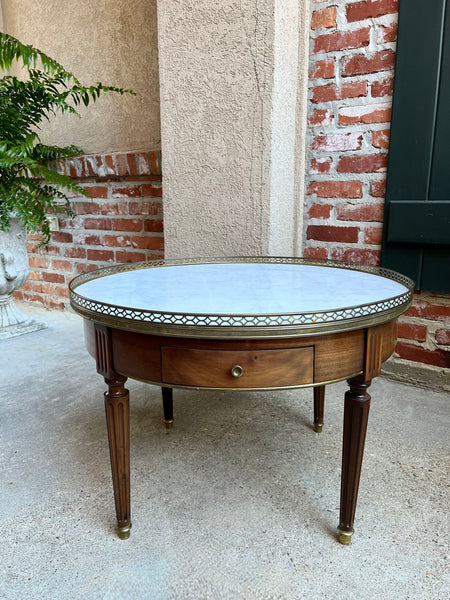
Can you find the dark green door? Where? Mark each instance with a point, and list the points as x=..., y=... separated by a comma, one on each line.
x=416, y=233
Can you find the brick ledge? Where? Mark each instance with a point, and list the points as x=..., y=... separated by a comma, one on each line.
x=114, y=164
x=417, y=374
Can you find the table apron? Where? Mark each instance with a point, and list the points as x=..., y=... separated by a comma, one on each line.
x=266, y=364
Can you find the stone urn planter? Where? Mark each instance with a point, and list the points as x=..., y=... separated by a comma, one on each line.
x=31, y=188
x=14, y=271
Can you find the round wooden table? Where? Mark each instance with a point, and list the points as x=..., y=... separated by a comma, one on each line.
x=240, y=324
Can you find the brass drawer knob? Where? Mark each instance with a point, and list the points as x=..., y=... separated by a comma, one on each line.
x=237, y=371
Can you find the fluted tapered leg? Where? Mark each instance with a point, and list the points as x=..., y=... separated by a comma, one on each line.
x=118, y=423
x=356, y=414
x=319, y=401
x=167, y=396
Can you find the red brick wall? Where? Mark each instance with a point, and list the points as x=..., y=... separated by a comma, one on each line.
x=351, y=75
x=424, y=331
x=120, y=222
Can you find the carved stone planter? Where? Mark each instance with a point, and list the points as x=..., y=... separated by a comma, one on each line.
x=14, y=271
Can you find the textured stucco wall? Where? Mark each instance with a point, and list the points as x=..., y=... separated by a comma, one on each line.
x=289, y=127
x=222, y=119
x=216, y=80
x=98, y=40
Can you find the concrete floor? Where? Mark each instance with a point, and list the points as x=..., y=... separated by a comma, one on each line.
x=239, y=500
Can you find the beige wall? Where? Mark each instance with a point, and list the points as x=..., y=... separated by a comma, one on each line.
x=288, y=127
x=216, y=80
x=114, y=42
x=233, y=88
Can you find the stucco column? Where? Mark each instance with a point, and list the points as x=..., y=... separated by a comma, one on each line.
x=233, y=90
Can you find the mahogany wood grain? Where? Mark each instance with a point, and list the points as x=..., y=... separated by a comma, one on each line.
x=137, y=355
x=118, y=424
x=167, y=396
x=104, y=351
x=356, y=414
x=319, y=404
x=336, y=356
x=341, y=355
x=389, y=340
x=373, y=354
x=260, y=368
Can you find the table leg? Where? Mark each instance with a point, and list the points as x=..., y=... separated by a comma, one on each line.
x=319, y=401
x=356, y=413
x=167, y=396
x=118, y=423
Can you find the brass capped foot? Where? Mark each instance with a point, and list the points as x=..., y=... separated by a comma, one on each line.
x=318, y=427
x=168, y=423
x=123, y=532
x=345, y=537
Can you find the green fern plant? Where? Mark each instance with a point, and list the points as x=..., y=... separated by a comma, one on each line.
x=29, y=189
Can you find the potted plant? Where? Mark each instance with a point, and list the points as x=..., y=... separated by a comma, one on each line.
x=29, y=189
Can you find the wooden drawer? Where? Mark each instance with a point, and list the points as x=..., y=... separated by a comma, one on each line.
x=260, y=368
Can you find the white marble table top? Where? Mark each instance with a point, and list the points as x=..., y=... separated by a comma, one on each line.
x=242, y=289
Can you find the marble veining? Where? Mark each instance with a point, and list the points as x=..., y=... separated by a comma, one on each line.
x=241, y=289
